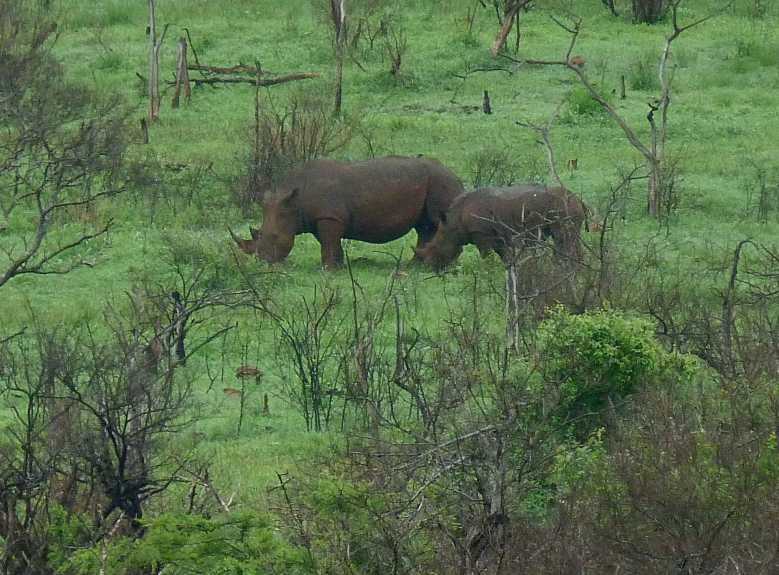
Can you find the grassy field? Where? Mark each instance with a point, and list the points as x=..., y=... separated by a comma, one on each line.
x=723, y=126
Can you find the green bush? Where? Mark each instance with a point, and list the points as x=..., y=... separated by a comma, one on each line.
x=581, y=103
x=601, y=357
x=238, y=543
x=643, y=72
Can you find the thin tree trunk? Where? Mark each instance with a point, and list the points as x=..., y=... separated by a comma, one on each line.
x=338, y=11
x=154, y=65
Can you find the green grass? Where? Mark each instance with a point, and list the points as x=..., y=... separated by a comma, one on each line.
x=721, y=119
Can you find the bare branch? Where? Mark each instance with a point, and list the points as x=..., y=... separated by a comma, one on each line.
x=543, y=132
x=22, y=265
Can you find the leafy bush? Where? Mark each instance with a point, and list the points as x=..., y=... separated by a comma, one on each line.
x=643, y=72
x=581, y=103
x=234, y=544
x=601, y=357
x=689, y=480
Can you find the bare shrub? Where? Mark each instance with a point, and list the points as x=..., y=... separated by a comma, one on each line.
x=169, y=188
x=302, y=129
x=308, y=340
x=684, y=486
x=92, y=412
x=61, y=153
x=463, y=437
x=395, y=44
x=502, y=166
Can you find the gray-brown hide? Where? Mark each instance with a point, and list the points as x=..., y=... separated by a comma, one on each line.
x=496, y=218
x=374, y=201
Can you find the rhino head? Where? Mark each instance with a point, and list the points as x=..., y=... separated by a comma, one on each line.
x=443, y=249
x=275, y=239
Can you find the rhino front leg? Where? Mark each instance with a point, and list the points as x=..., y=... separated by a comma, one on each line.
x=425, y=233
x=329, y=233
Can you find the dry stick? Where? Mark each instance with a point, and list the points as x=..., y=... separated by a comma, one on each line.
x=191, y=45
x=257, y=131
x=182, y=74
x=106, y=540
x=301, y=527
x=242, y=406
x=154, y=79
x=543, y=132
x=728, y=306
x=486, y=106
x=145, y=130
x=154, y=62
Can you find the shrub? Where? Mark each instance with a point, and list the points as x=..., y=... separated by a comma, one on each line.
x=643, y=72
x=599, y=358
x=303, y=129
x=238, y=543
x=581, y=103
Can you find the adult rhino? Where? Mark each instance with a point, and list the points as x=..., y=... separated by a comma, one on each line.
x=374, y=201
x=493, y=219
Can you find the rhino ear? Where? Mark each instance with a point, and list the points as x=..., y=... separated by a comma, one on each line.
x=288, y=195
x=255, y=233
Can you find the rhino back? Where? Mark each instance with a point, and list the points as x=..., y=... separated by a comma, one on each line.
x=377, y=200
x=500, y=210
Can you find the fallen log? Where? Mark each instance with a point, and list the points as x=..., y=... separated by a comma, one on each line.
x=257, y=81
x=239, y=69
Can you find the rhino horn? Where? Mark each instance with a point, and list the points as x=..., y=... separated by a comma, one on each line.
x=241, y=243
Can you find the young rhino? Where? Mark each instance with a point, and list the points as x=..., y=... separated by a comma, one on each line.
x=493, y=219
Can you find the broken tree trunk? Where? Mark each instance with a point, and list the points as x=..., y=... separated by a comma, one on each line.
x=510, y=16
x=182, y=74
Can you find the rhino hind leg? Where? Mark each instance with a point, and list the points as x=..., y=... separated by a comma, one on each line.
x=329, y=233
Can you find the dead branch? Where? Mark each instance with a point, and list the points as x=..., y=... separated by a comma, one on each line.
x=543, y=132
x=26, y=263
x=257, y=81
x=728, y=306
x=203, y=479
x=238, y=69
x=654, y=154
x=182, y=74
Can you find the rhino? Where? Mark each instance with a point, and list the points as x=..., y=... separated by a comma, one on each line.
x=374, y=201
x=494, y=219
